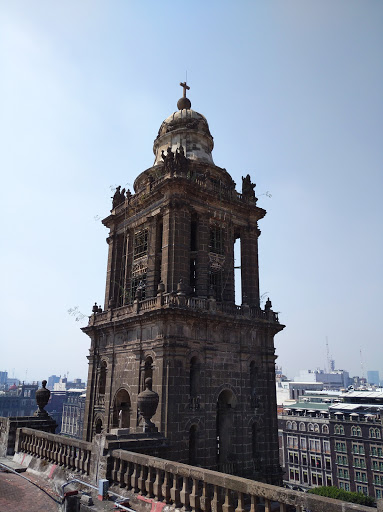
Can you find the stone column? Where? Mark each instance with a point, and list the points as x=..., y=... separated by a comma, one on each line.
x=151, y=288
x=249, y=266
x=109, y=289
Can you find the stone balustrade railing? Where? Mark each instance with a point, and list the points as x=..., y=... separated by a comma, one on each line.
x=69, y=453
x=199, y=489
x=172, y=300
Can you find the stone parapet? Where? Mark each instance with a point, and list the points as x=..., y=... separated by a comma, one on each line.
x=9, y=426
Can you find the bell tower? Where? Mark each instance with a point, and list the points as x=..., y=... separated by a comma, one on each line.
x=170, y=311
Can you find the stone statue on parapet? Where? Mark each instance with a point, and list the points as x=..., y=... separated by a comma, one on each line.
x=118, y=197
x=248, y=187
x=168, y=160
x=180, y=159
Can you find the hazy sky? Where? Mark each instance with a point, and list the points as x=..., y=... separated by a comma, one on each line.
x=292, y=91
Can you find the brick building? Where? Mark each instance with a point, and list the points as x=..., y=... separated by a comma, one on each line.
x=334, y=441
x=170, y=311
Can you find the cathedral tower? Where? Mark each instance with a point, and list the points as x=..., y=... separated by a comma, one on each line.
x=170, y=311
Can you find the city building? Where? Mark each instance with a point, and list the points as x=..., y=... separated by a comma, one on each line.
x=18, y=400
x=52, y=379
x=373, y=377
x=333, y=439
x=170, y=312
x=73, y=413
x=334, y=379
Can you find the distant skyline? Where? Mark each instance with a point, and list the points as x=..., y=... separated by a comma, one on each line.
x=292, y=92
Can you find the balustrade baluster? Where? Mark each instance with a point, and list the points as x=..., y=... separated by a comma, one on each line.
x=72, y=456
x=241, y=503
x=205, y=501
x=78, y=459
x=142, y=480
x=194, y=498
x=128, y=474
x=121, y=473
x=39, y=447
x=55, y=450
x=157, y=486
x=134, y=477
x=175, y=492
x=254, y=503
x=116, y=467
x=166, y=487
x=66, y=455
x=227, y=506
x=86, y=463
x=215, y=504
x=149, y=482
x=60, y=454
x=185, y=494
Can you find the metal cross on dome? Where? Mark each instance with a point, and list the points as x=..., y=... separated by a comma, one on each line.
x=185, y=88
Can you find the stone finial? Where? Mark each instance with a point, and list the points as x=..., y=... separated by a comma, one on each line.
x=42, y=398
x=147, y=402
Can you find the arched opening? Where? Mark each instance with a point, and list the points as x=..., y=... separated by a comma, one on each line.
x=193, y=445
x=147, y=371
x=98, y=428
x=224, y=427
x=102, y=379
x=121, y=410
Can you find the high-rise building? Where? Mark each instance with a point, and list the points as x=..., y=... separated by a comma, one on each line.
x=170, y=311
x=373, y=377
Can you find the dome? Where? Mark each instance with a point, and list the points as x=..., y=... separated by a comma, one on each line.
x=186, y=128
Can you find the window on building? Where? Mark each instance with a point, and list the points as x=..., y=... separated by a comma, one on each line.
x=294, y=425
x=216, y=239
x=326, y=446
x=288, y=425
x=316, y=427
x=304, y=460
x=357, y=448
x=305, y=477
x=327, y=462
x=140, y=245
x=303, y=443
x=292, y=442
x=302, y=426
x=340, y=446
x=325, y=429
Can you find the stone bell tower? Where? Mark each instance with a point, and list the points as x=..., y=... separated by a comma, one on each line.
x=170, y=311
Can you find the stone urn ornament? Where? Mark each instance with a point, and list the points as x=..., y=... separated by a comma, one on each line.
x=147, y=402
x=42, y=398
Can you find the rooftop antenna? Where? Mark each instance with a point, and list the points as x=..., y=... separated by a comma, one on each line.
x=328, y=356
x=361, y=364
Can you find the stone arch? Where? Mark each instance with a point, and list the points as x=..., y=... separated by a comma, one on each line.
x=147, y=369
x=121, y=409
x=226, y=403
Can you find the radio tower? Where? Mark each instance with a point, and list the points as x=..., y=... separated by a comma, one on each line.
x=361, y=364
